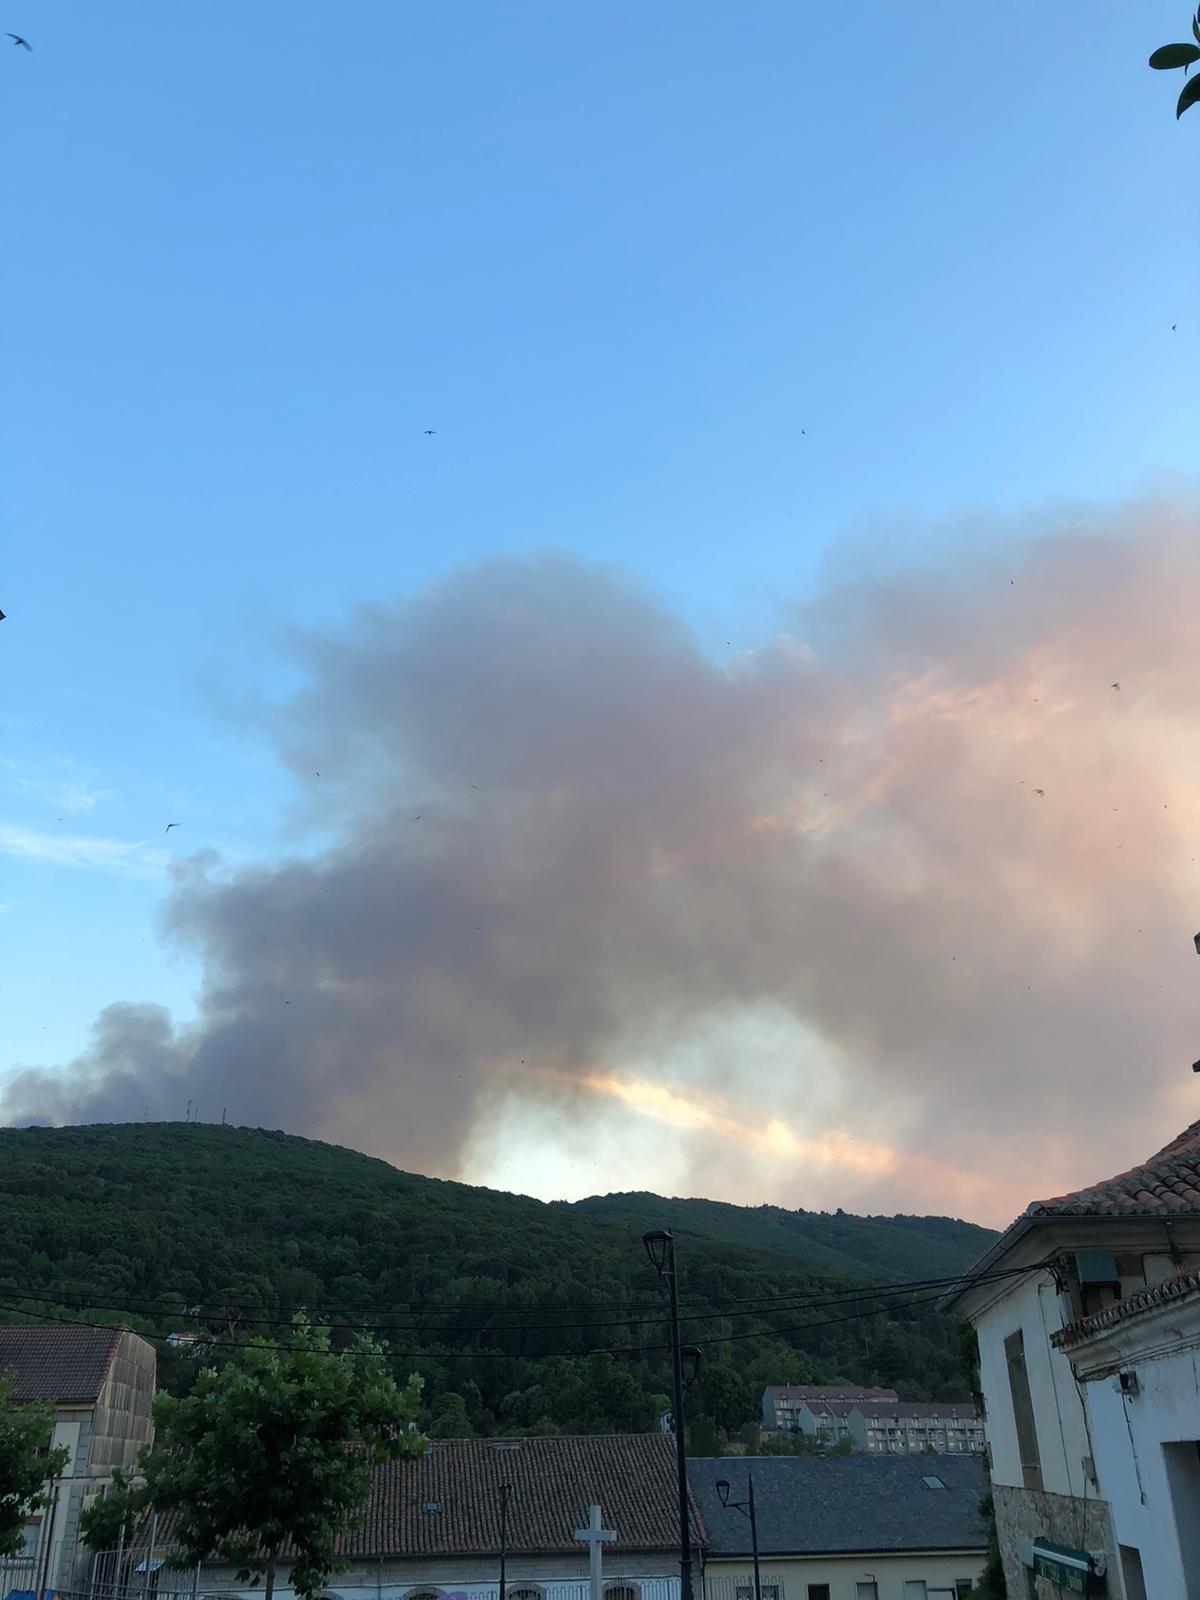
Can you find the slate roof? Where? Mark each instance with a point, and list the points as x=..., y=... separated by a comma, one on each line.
x=61, y=1363
x=812, y=1505
x=555, y=1479
x=828, y=1391
x=1168, y=1292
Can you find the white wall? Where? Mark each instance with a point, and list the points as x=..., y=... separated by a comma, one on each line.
x=843, y=1574
x=1033, y=1306
x=1129, y=1435
x=655, y=1574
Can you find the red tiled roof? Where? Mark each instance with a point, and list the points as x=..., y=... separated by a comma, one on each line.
x=1165, y=1186
x=62, y=1363
x=1161, y=1294
x=555, y=1479
x=1168, y=1184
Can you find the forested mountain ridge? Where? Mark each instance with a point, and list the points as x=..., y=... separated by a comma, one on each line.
x=897, y=1249
x=504, y=1304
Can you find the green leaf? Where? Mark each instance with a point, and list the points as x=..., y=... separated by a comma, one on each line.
x=1191, y=93
x=1174, y=55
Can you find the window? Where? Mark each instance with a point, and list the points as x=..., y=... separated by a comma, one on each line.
x=866, y=1589
x=31, y=1538
x=963, y=1586
x=1022, y=1403
x=1131, y=1571
x=818, y=1591
x=914, y=1589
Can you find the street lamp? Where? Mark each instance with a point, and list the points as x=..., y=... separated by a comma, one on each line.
x=746, y=1507
x=506, y=1490
x=660, y=1247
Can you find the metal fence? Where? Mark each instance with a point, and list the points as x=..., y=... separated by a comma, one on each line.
x=144, y=1572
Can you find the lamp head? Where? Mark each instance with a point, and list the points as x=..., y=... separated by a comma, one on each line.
x=658, y=1243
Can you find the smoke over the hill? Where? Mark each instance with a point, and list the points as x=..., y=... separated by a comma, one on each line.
x=895, y=910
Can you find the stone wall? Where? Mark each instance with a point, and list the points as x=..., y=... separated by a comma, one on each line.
x=1023, y=1515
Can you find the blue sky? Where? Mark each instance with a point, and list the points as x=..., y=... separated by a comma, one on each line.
x=702, y=290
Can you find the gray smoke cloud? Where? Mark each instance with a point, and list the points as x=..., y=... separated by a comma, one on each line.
x=566, y=839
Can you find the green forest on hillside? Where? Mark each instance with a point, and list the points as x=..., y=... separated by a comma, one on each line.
x=506, y=1306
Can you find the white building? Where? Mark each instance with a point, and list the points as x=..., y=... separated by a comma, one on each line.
x=1138, y=1362
x=874, y=1420
x=1090, y=1396
x=784, y=1403
x=432, y=1526
x=908, y=1427
x=101, y=1383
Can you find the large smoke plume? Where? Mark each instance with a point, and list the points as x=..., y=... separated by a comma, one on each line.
x=894, y=910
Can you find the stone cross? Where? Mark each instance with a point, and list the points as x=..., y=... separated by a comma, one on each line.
x=595, y=1537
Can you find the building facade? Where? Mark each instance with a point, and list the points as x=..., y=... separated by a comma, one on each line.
x=910, y=1427
x=1092, y=1453
x=101, y=1382
x=432, y=1526
x=874, y=1420
x=1137, y=1360
x=843, y=1528
x=783, y=1404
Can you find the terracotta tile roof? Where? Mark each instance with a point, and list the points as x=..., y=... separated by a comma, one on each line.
x=1168, y=1184
x=630, y=1476
x=62, y=1363
x=1161, y=1294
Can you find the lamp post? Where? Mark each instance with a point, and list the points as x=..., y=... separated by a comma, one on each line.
x=506, y=1490
x=746, y=1507
x=660, y=1247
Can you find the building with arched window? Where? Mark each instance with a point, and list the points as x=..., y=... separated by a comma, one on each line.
x=432, y=1526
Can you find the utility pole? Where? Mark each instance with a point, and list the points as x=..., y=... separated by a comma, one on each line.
x=506, y=1490
x=746, y=1507
x=660, y=1247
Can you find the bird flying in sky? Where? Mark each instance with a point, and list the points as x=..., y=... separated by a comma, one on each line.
x=429, y=432
x=169, y=826
x=17, y=39
x=1114, y=686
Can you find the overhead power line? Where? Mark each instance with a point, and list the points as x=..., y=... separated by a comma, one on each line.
x=933, y=1292
x=753, y=1305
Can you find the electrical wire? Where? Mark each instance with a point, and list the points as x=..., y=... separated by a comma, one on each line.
x=638, y=1351
x=755, y=1305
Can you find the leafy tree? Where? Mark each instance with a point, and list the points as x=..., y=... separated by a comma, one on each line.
x=450, y=1420
x=111, y=1518
x=1170, y=56
x=223, y=1231
x=26, y=1465
x=275, y=1453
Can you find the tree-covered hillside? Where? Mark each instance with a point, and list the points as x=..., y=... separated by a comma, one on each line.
x=518, y=1315
x=897, y=1249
